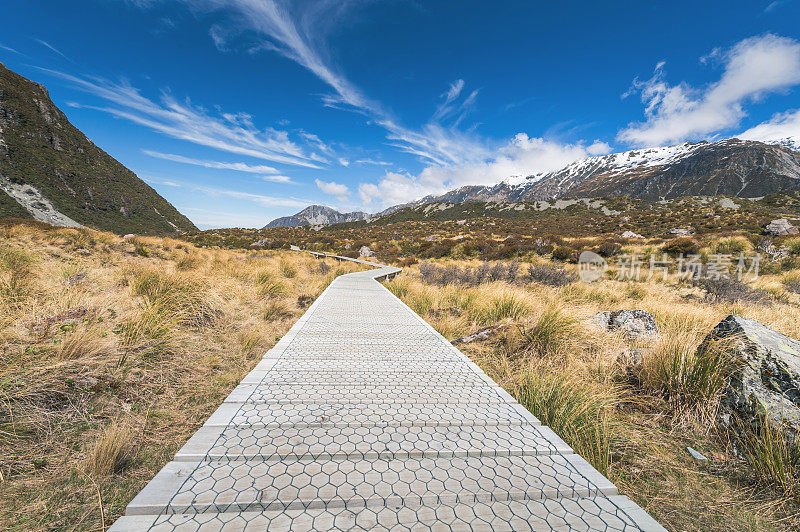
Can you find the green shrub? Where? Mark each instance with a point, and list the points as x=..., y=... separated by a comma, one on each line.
x=563, y=253
x=681, y=246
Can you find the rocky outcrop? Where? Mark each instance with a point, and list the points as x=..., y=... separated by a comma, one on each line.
x=630, y=234
x=365, y=252
x=634, y=324
x=682, y=231
x=766, y=383
x=780, y=227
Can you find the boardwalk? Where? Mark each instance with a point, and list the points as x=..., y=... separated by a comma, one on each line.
x=364, y=417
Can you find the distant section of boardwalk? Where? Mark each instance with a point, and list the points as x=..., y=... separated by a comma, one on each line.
x=364, y=417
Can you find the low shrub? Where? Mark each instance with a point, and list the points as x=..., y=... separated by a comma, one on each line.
x=563, y=253
x=732, y=246
x=550, y=275
x=730, y=290
x=681, y=246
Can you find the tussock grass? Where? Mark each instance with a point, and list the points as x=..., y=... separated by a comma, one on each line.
x=774, y=459
x=113, y=452
x=581, y=414
x=16, y=275
x=504, y=306
x=690, y=379
x=84, y=342
x=552, y=333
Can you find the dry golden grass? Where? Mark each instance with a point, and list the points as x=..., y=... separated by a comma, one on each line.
x=113, y=352
x=113, y=451
x=633, y=423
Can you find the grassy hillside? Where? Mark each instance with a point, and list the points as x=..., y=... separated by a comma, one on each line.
x=41, y=148
x=113, y=352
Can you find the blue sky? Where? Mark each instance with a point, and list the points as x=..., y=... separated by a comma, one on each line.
x=239, y=111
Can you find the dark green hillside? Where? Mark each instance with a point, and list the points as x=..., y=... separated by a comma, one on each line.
x=40, y=148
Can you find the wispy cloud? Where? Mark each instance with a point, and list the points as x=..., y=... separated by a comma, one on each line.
x=239, y=167
x=752, y=68
x=261, y=199
x=229, y=132
x=52, y=48
x=373, y=162
x=296, y=30
x=9, y=49
x=341, y=192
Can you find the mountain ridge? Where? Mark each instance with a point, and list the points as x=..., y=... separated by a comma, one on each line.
x=51, y=172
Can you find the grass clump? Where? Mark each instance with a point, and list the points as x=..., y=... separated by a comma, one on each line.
x=505, y=306
x=177, y=297
x=113, y=451
x=580, y=414
x=16, y=275
x=773, y=457
x=690, y=379
x=552, y=333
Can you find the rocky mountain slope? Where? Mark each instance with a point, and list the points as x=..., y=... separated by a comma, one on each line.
x=731, y=167
x=51, y=172
x=317, y=215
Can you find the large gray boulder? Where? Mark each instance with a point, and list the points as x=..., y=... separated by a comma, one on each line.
x=766, y=385
x=780, y=227
x=634, y=324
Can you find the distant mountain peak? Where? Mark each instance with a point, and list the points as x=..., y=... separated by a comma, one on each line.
x=317, y=215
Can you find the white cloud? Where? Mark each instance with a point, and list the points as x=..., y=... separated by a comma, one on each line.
x=522, y=156
x=230, y=132
x=240, y=167
x=753, y=68
x=341, y=192
x=344, y=162
x=52, y=48
x=373, y=162
x=782, y=126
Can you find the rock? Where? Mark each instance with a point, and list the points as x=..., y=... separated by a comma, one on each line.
x=767, y=384
x=294, y=248
x=129, y=236
x=430, y=238
x=264, y=242
x=630, y=234
x=634, y=324
x=481, y=334
x=696, y=455
x=600, y=319
x=780, y=227
x=347, y=246
x=682, y=231
x=365, y=252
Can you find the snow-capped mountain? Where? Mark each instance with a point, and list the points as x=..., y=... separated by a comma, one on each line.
x=317, y=215
x=730, y=167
